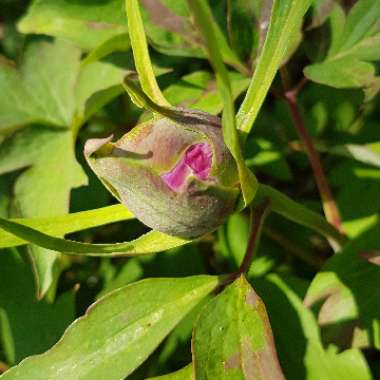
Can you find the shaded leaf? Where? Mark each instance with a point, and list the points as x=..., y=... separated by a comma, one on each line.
x=243, y=38
x=294, y=324
x=118, y=332
x=368, y=154
x=232, y=337
x=28, y=326
x=296, y=212
x=359, y=212
x=198, y=90
x=170, y=29
x=120, y=42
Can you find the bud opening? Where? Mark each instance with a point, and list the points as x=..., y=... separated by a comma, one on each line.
x=197, y=160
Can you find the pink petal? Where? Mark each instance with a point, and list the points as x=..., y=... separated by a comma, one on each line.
x=197, y=160
x=177, y=176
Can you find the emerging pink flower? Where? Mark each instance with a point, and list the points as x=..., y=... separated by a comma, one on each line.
x=197, y=160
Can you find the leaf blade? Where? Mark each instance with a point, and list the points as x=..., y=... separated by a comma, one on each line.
x=140, y=53
x=151, y=242
x=118, y=331
x=285, y=21
x=62, y=225
x=233, y=338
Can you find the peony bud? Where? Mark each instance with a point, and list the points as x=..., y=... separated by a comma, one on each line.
x=175, y=174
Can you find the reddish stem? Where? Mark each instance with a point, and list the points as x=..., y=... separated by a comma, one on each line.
x=257, y=220
x=329, y=206
x=290, y=96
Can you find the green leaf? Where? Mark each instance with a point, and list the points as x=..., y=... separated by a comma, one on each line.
x=367, y=154
x=118, y=332
x=49, y=88
x=58, y=93
x=43, y=189
x=120, y=42
x=65, y=224
x=242, y=13
x=296, y=212
x=35, y=92
x=185, y=373
x=294, y=324
x=248, y=41
x=28, y=326
x=284, y=24
x=362, y=179
x=355, y=42
x=170, y=29
x=87, y=23
x=151, y=242
x=92, y=94
x=346, y=289
x=267, y=157
x=227, y=55
x=141, y=54
x=203, y=19
x=198, y=91
x=233, y=339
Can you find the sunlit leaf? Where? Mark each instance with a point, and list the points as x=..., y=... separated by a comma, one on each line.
x=355, y=43
x=151, y=242
x=294, y=325
x=185, y=373
x=88, y=25
x=232, y=337
x=347, y=287
x=34, y=92
x=62, y=225
x=285, y=22
x=118, y=332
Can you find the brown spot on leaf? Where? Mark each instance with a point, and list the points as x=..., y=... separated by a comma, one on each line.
x=252, y=298
x=250, y=362
x=232, y=362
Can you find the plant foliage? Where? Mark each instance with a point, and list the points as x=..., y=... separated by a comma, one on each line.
x=284, y=285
